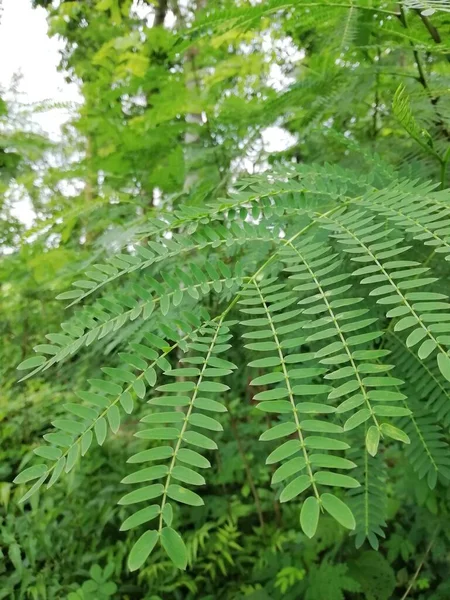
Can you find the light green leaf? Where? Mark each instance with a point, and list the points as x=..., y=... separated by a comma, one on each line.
x=200, y=440
x=160, y=453
x=31, y=363
x=309, y=516
x=357, y=419
x=288, y=468
x=100, y=430
x=444, y=365
x=141, y=516
x=174, y=547
x=338, y=510
x=31, y=473
x=205, y=422
x=281, y=430
x=335, y=479
x=142, y=549
x=143, y=494
x=187, y=475
x=182, y=494
x=372, y=440
x=113, y=416
x=394, y=433
x=147, y=474
x=193, y=458
x=295, y=487
x=284, y=451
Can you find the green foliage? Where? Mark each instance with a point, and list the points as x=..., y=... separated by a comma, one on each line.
x=247, y=395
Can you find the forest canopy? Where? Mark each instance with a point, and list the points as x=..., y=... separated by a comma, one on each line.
x=225, y=357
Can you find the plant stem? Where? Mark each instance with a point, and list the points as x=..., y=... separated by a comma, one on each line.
x=422, y=562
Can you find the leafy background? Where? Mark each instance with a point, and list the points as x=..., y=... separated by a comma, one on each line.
x=175, y=110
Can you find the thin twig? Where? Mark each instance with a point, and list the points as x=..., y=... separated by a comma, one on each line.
x=422, y=562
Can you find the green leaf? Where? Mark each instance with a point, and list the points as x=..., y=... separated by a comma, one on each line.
x=329, y=461
x=314, y=408
x=394, y=432
x=182, y=494
x=113, y=416
x=444, y=365
x=160, y=453
x=357, y=419
x=221, y=363
x=320, y=426
x=190, y=457
x=86, y=441
x=142, y=549
x=268, y=379
x=338, y=510
x=275, y=406
x=167, y=514
x=325, y=443
x=139, y=388
x=72, y=427
x=208, y=404
x=48, y=452
x=34, y=488
x=141, y=516
x=59, y=467
x=284, y=451
x=205, y=422
x=174, y=547
x=372, y=440
x=212, y=386
x=391, y=411
x=288, y=468
x=31, y=473
x=281, y=430
x=100, y=430
x=271, y=361
x=143, y=494
x=164, y=417
x=187, y=475
x=295, y=487
x=150, y=376
x=200, y=440
x=106, y=386
x=159, y=433
x=309, y=516
x=147, y=474
x=335, y=479
x=170, y=401
x=177, y=386
x=31, y=363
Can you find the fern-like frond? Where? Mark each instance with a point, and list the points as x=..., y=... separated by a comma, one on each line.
x=402, y=110
x=266, y=303
x=359, y=382
x=418, y=310
x=205, y=367
x=369, y=502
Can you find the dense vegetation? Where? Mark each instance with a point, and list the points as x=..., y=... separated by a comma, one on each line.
x=235, y=361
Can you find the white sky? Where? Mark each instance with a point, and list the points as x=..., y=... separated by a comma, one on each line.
x=26, y=49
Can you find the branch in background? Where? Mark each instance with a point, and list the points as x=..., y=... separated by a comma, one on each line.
x=421, y=76
x=432, y=30
x=160, y=13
